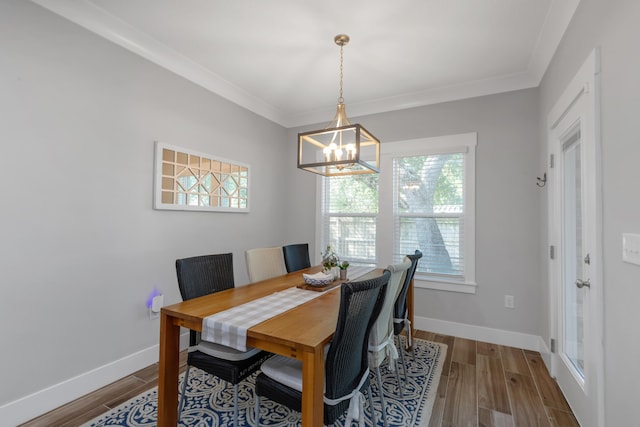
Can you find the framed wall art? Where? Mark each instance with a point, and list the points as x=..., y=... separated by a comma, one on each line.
x=189, y=180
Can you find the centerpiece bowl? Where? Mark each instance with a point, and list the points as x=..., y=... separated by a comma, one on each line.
x=318, y=279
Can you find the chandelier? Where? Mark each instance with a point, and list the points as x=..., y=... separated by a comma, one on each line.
x=340, y=148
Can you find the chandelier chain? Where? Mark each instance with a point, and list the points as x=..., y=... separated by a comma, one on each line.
x=340, y=98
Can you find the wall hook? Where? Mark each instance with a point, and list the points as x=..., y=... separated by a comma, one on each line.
x=542, y=181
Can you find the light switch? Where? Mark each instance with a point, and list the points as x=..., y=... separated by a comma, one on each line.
x=631, y=248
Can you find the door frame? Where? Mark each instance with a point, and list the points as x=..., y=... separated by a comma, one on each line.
x=584, y=87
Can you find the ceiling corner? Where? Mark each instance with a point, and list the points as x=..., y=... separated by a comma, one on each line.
x=556, y=23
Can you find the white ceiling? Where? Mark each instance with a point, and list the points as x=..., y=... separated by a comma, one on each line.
x=278, y=59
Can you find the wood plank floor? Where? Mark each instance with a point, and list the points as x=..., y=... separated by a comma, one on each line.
x=489, y=385
x=482, y=385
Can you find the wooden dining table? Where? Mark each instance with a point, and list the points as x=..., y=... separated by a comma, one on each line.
x=300, y=333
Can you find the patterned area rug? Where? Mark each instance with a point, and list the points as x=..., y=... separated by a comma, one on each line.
x=210, y=400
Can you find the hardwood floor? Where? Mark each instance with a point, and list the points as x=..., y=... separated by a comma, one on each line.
x=482, y=385
x=489, y=385
x=88, y=407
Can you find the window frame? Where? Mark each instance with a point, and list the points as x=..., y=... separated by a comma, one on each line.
x=459, y=143
x=449, y=144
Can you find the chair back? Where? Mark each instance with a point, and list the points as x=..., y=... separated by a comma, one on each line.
x=203, y=275
x=383, y=327
x=346, y=361
x=296, y=257
x=400, y=307
x=264, y=263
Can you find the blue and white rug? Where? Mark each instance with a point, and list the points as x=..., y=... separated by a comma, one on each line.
x=209, y=400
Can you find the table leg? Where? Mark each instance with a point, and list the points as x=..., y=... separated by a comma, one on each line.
x=168, y=372
x=313, y=388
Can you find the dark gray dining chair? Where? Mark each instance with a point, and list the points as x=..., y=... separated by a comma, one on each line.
x=346, y=368
x=203, y=275
x=400, y=312
x=296, y=257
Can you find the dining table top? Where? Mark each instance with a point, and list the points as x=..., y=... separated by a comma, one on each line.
x=306, y=326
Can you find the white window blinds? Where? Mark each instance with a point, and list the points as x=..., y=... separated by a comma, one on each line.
x=423, y=198
x=349, y=210
x=429, y=211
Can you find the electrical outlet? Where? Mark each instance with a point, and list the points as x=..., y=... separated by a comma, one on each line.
x=631, y=248
x=509, y=301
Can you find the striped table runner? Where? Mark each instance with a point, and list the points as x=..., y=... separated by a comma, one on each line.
x=230, y=327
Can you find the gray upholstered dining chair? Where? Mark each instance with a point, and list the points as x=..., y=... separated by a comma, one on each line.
x=296, y=256
x=346, y=368
x=265, y=263
x=400, y=313
x=203, y=275
x=381, y=337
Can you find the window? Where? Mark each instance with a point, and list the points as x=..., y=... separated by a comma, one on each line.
x=423, y=198
x=350, y=211
x=429, y=211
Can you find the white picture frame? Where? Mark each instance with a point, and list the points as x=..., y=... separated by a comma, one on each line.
x=189, y=180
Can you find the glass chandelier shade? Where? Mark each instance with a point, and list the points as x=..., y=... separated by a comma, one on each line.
x=340, y=148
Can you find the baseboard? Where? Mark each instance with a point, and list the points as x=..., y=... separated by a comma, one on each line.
x=43, y=401
x=480, y=333
x=545, y=353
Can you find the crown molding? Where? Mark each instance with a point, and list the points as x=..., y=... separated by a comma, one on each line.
x=419, y=99
x=99, y=21
x=102, y=23
x=555, y=24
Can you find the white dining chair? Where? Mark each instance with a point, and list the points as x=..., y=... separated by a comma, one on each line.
x=381, y=338
x=265, y=263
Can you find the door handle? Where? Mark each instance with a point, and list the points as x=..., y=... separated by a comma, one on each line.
x=583, y=283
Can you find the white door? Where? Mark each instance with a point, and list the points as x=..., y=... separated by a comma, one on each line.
x=576, y=288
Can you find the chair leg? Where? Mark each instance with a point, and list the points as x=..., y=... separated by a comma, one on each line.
x=400, y=386
x=401, y=351
x=184, y=390
x=257, y=411
x=382, y=402
x=373, y=411
x=235, y=405
x=411, y=343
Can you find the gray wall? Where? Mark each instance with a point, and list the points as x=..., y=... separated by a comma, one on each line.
x=612, y=25
x=80, y=245
x=81, y=248
x=507, y=198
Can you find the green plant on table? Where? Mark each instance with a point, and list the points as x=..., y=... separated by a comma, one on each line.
x=344, y=265
x=329, y=258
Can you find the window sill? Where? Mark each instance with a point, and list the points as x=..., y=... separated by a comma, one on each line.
x=424, y=282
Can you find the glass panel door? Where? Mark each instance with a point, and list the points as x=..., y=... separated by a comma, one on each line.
x=573, y=347
x=575, y=214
